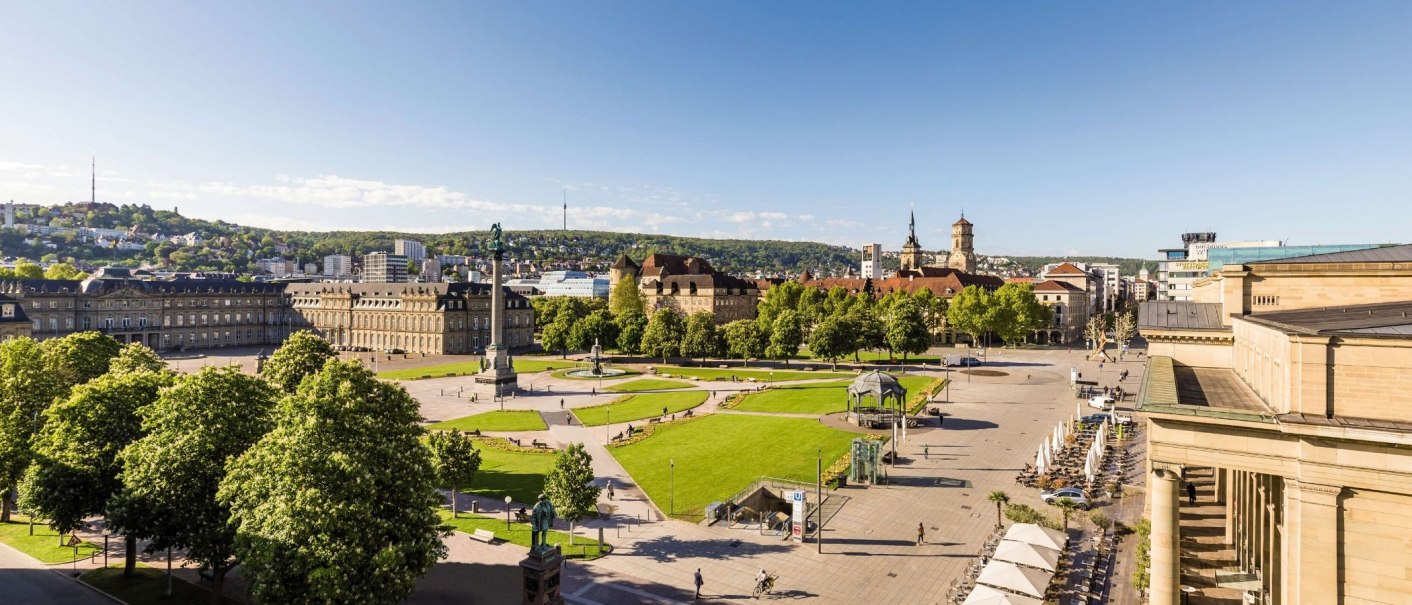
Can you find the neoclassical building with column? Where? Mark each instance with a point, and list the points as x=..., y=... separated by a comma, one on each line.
x=1290, y=383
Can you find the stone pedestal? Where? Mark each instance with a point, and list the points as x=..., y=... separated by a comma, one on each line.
x=541, y=571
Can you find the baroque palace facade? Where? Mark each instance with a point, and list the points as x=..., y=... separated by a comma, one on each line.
x=1286, y=382
x=172, y=315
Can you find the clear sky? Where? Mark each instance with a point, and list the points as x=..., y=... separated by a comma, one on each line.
x=1060, y=127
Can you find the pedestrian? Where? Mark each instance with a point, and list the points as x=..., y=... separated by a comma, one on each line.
x=561, y=404
x=1100, y=366
x=595, y=391
x=664, y=410
x=921, y=534
x=610, y=490
x=698, y=582
x=1191, y=493
x=926, y=452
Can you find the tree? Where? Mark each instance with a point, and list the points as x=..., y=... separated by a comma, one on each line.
x=781, y=298
x=746, y=339
x=79, y=358
x=869, y=331
x=701, y=338
x=556, y=335
x=337, y=503
x=786, y=335
x=1020, y=312
x=1066, y=507
x=969, y=311
x=172, y=473
x=1096, y=331
x=63, y=271
x=302, y=354
x=664, y=334
x=455, y=458
x=906, y=332
x=28, y=270
x=833, y=338
x=1124, y=327
x=1000, y=499
x=812, y=303
x=569, y=485
x=630, y=325
x=26, y=390
x=933, y=309
x=76, y=469
x=626, y=298
x=136, y=357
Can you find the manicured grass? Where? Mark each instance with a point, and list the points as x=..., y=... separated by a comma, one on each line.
x=466, y=368
x=637, y=407
x=876, y=356
x=741, y=373
x=814, y=398
x=44, y=544
x=721, y=454
x=648, y=384
x=147, y=585
x=519, y=475
x=497, y=421
x=519, y=534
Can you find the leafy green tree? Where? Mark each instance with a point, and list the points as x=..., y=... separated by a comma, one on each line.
x=80, y=357
x=933, y=309
x=626, y=298
x=631, y=325
x=171, y=474
x=301, y=355
x=597, y=327
x=746, y=339
x=26, y=390
x=337, y=503
x=812, y=307
x=136, y=357
x=58, y=271
x=906, y=331
x=781, y=298
x=664, y=334
x=786, y=335
x=545, y=309
x=28, y=270
x=969, y=311
x=569, y=485
x=556, y=336
x=1020, y=312
x=701, y=338
x=833, y=338
x=456, y=460
x=76, y=469
x=869, y=331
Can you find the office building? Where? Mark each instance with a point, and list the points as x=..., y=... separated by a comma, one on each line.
x=338, y=265
x=872, y=262
x=384, y=268
x=412, y=250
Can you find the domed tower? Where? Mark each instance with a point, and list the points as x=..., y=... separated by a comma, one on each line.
x=911, y=256
x=963, y=252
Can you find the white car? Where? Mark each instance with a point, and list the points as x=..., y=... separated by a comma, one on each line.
x=1101, y=402
x=1071, y=493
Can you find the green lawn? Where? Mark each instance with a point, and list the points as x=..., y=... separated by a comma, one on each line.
x=496, y=421
x=648, y=384
x=148, y=585
x=637, y=407
x=814, y=398
x=519, y=475
x=519, y=534
x=522, y=365
x=721, y=454
x=757, y=374
x=44, y=544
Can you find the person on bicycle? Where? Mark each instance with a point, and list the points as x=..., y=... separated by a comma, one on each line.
x=764, y=582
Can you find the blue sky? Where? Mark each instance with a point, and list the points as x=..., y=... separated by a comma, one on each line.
x=1061, y=128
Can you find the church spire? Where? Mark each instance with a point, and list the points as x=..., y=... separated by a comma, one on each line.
x=911, y=224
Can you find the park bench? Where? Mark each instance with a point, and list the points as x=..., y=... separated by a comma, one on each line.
x=654, y=420
x=723, y=366
x=513, y=440
x=618, y=437
x=521, y=517
x=539, y=444
x=483, y=536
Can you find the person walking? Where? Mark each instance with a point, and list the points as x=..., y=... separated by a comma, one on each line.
x=921, y=534
x=698, y=583
x=926, y=452
x=1191, y=493
x=561, y=404
x=610, y=490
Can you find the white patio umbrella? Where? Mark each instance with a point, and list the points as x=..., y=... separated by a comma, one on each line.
x=1088, y=469
x=985, y=595
x=1078, y=411
x=1029, y=533
x=1039, y=462
x=1018, y=552
x=1010, y=576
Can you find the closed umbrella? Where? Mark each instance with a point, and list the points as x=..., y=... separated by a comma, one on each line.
x=1039, y=462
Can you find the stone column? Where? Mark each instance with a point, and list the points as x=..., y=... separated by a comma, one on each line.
x=1166, y=573
x=1227, y=496
x=497, y=301
x=1317, y=553
x=1242, y=518
x=1218, y=489
x=1276, y=565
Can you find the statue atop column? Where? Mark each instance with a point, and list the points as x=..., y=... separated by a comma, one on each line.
x=496, y=243
x=497, y=377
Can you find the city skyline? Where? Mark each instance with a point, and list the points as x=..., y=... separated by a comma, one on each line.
x=727, y=121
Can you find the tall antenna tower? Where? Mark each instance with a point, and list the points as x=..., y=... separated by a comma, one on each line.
x=566, y=209
x=93, y=174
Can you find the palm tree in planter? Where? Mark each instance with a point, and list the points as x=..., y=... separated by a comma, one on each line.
x=1000, y=499
x=1067, y=506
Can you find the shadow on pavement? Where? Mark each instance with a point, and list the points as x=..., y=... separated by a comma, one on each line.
x=461, y=583
x=665, y=549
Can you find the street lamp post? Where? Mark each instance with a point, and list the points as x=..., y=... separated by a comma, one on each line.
x=507, y=513
x=819, y=503
x=608, y=426
x=106, y=532
x=672, y=502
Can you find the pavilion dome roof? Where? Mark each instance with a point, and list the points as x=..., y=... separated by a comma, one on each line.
x=876, y=383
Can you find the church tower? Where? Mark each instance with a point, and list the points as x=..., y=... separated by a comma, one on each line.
x=912, y=250
x=963, y=252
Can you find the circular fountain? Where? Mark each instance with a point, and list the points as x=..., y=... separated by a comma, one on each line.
x=597, y=371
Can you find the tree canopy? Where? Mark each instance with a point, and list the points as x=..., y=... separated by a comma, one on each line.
x=746, y=339
x=301, y=355
x=701, y=338
x=26, y=390
x=569, y=484
x=664, y=333
x=79, y=357
x=455, y=458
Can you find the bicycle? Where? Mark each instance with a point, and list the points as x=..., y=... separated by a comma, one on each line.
x=764, y=586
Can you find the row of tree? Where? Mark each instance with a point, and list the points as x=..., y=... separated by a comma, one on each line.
x=24, y=269
x=314, y=475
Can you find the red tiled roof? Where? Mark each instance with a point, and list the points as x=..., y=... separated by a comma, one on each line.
x=1066, y=269
x=1056, y=286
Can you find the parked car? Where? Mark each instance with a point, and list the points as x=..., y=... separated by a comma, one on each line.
x=1101, y=402
x=1050, y=496
x=957, y=360
x=1113, y=416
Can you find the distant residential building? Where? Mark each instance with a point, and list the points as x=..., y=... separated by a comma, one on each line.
x=384, y=268
x=10, y=214
x=1077, y=275
x=1071, y=311
x=278, y=267
x=413, y=250
x=451, y=260
x=311, y=269
x=1110, y=285
x=338, y=265
x=431, y=271
x=872, y=261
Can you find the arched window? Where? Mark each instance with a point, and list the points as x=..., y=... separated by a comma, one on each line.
x=691, y=288
x=676, y=289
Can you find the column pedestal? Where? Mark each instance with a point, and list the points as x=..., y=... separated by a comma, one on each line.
x=541, y=577
x=1166, y=573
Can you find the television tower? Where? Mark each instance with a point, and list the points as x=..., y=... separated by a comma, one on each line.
x=566, y=209
x=93, y=192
